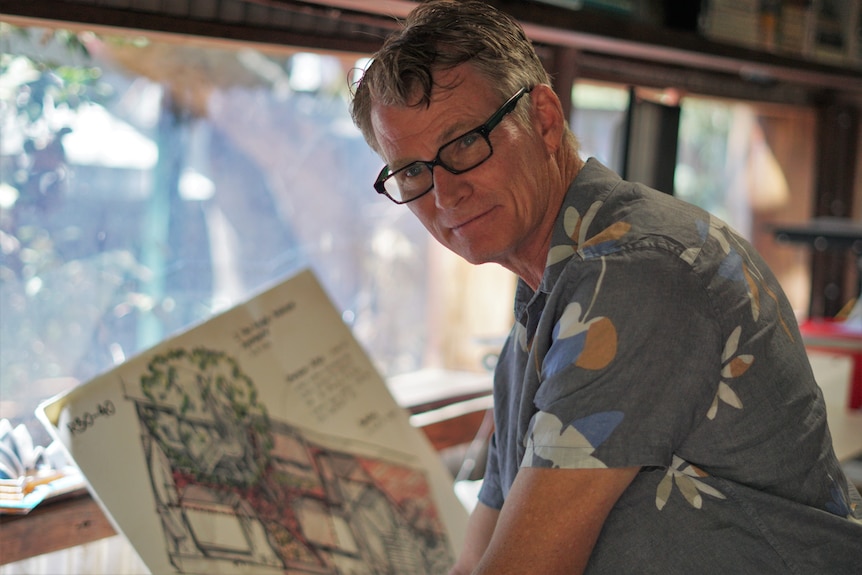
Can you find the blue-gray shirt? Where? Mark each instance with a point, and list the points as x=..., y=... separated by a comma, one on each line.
x=660, y=339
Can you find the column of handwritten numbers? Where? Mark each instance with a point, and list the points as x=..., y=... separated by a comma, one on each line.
x=340, y=381
x=305, y=389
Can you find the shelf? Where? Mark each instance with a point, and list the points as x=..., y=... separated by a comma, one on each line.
x=606, y=34
x=824, y=234
x=613, y=35
x=360, y=26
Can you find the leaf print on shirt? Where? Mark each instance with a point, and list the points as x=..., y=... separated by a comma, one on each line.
x=735, y=267
x=732, y=366
x=838, y=504
x=691, y=253
x=568, y=446
x=576, y=229
x=684, y=475
x=521, y=336
x=589, y=344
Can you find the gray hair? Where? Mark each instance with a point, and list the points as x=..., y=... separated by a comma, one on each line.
x=439, y=35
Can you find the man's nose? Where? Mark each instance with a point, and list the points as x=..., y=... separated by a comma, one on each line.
x=449, y=188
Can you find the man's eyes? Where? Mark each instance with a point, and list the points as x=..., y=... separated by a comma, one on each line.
x=467, y=140
x=414, y=170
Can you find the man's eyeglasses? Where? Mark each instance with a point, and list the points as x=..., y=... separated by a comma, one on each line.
x=459, y=155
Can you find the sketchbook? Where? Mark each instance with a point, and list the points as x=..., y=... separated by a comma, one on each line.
x=262, y=441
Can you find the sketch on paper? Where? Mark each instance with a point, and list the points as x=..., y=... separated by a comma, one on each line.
x=235, y=487
x=262, y=441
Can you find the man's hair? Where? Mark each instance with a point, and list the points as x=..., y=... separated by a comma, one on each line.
x=439, y=35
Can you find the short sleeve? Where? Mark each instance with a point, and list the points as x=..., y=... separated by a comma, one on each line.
x=491, y=493
x=631, y=367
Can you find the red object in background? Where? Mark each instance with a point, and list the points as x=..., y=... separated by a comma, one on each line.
x=836, y=336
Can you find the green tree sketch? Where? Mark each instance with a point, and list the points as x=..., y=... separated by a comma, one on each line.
x=206, y=417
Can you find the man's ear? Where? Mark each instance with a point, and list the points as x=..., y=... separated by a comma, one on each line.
x=548, y=115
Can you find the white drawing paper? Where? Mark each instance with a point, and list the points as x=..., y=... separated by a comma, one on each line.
x=263, y=441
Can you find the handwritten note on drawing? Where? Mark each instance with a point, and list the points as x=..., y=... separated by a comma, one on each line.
x=254, y=337
x=87, y=419
x=327, y=384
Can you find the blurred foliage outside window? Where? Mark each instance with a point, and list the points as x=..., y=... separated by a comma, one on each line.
x=146, y=185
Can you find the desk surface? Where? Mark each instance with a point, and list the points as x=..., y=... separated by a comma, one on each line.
x=70, y=520
x=833, y=372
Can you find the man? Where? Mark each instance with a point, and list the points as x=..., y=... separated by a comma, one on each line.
x=655, y=410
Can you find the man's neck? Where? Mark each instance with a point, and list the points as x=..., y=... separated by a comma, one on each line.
x=530, y=267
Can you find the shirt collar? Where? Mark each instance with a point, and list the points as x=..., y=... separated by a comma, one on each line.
x=592, y=184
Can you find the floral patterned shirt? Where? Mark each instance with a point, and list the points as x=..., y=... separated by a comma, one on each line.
x=658, y=338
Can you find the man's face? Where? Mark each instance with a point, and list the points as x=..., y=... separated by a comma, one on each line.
x=500, y=211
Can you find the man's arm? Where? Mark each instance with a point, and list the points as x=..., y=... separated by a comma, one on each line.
x=549, y=523
x=480, y=527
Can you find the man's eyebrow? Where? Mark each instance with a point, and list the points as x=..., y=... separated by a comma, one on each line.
x=455, y=131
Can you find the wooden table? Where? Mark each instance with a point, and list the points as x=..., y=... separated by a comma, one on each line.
x=66, y=521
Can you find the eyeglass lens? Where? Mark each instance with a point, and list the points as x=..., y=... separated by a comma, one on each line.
x=457, y=156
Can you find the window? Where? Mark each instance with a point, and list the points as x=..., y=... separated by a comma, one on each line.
x=148, y=183
x=752, y=165
x=599, y=115
x=749, y=164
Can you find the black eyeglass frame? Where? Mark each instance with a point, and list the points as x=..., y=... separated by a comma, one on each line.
x=483, y=130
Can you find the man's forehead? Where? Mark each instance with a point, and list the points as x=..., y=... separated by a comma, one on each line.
x=398, y=128
x=458, y=101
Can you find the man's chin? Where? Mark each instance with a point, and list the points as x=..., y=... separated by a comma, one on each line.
x=474, y=256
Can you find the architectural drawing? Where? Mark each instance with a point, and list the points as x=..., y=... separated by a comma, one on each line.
x=262, y=442
x=236, y=488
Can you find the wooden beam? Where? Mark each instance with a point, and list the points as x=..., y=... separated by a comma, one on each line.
x=362, y=39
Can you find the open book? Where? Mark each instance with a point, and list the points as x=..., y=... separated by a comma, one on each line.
x=262, y=441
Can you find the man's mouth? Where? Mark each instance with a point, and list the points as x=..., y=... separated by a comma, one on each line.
x=467, y=222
